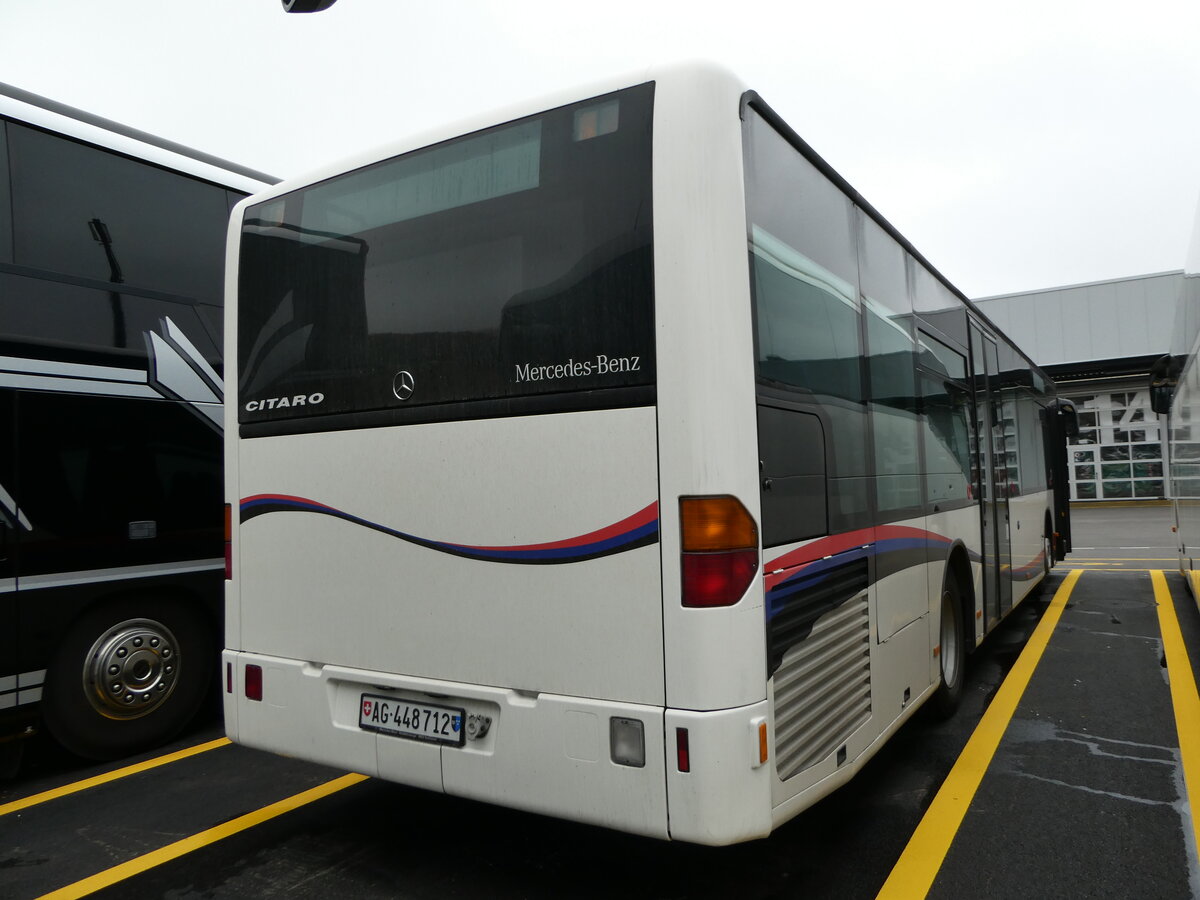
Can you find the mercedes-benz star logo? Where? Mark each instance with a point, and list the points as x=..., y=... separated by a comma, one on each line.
x=403, y=385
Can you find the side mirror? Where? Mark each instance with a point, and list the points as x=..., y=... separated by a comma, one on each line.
x=1160, y=397
x=1065, y=410
x=1163, y=376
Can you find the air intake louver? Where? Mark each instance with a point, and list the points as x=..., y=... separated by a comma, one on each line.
x=797, y=603
x=823, y=687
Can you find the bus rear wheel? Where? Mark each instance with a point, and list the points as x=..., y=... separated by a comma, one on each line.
x=952, y=656
x=127, y=676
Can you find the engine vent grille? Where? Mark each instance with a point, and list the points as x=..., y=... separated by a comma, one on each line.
x=823, y=688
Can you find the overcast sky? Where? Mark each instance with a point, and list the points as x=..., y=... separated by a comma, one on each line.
x=1019, y=146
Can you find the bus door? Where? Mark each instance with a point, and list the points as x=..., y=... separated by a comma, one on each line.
x=1003, y=444
x=990, y=476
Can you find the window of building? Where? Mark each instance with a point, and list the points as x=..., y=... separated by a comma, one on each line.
x=1118, y=454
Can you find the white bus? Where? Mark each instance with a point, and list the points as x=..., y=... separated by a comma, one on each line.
x=1175, y=392
x=111, y=267
x=610, y=458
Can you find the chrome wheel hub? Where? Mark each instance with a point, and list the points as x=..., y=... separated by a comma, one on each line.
x=131, y=669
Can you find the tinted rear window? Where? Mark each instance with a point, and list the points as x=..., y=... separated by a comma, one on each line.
x=506, y=265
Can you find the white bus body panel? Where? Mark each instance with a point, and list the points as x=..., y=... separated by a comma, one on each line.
x=898, y=632
x=1027, y=517
x=546, y=754
x=707, y=420
x=331, y=591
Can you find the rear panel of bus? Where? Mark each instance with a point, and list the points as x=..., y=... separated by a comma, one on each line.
x=446, y=482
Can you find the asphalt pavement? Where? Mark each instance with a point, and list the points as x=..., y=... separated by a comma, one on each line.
x=1083, y=791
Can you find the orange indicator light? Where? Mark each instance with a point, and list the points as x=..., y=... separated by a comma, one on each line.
x=715, y=524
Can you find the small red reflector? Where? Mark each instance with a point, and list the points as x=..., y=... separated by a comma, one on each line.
x=682, y=752
x=717, y=579
x=229, y=678
x=228, y=541
x=254, y=682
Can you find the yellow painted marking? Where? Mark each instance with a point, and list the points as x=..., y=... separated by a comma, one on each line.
x=918, y=865
x=76, y=786
x=1122, y=570
x=1170, y=559
x=1133, y=565
x=140, y=864
x=1184, y=698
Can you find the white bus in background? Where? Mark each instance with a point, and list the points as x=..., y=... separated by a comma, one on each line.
x=611, y=458
x=111, y=267
x=1175, y=392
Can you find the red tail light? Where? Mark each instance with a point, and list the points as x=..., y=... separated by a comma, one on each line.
x=720, y=550
x=717, y=579
x=254, y=682
x=683, y=753
x=228, y=541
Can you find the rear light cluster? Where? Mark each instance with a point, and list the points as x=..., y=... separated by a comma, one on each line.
x=254, y=682
x=683, y=750
x=719, y=550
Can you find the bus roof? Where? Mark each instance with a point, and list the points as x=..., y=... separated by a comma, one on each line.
x=49, y=114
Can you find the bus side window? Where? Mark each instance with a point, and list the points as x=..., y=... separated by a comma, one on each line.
x=5, y=199
x=791, y=447
x=947, y=443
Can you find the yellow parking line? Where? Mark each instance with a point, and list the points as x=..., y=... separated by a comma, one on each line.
x=140, y=864
x=918, y=865
x=1184, y=698
x=1106, y=569
x=83, y=785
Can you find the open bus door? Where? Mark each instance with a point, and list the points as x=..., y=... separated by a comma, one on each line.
x=1062, y=423
x=991, y=477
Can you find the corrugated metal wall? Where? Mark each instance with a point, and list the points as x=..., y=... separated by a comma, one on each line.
x=1129, y=317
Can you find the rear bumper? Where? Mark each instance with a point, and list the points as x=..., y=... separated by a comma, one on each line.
x=543, y=753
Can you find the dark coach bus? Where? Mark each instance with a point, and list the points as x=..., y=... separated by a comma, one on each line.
x=111, y=277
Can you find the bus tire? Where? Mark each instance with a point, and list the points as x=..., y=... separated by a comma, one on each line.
x=952, y=656
x=128, y=675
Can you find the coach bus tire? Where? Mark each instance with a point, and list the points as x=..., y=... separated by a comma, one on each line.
x=128, y=676
x=952, y=657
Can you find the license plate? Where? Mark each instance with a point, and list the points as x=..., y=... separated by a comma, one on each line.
x=409, y=719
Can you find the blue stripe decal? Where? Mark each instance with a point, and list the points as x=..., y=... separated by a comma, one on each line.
x=639, y=530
